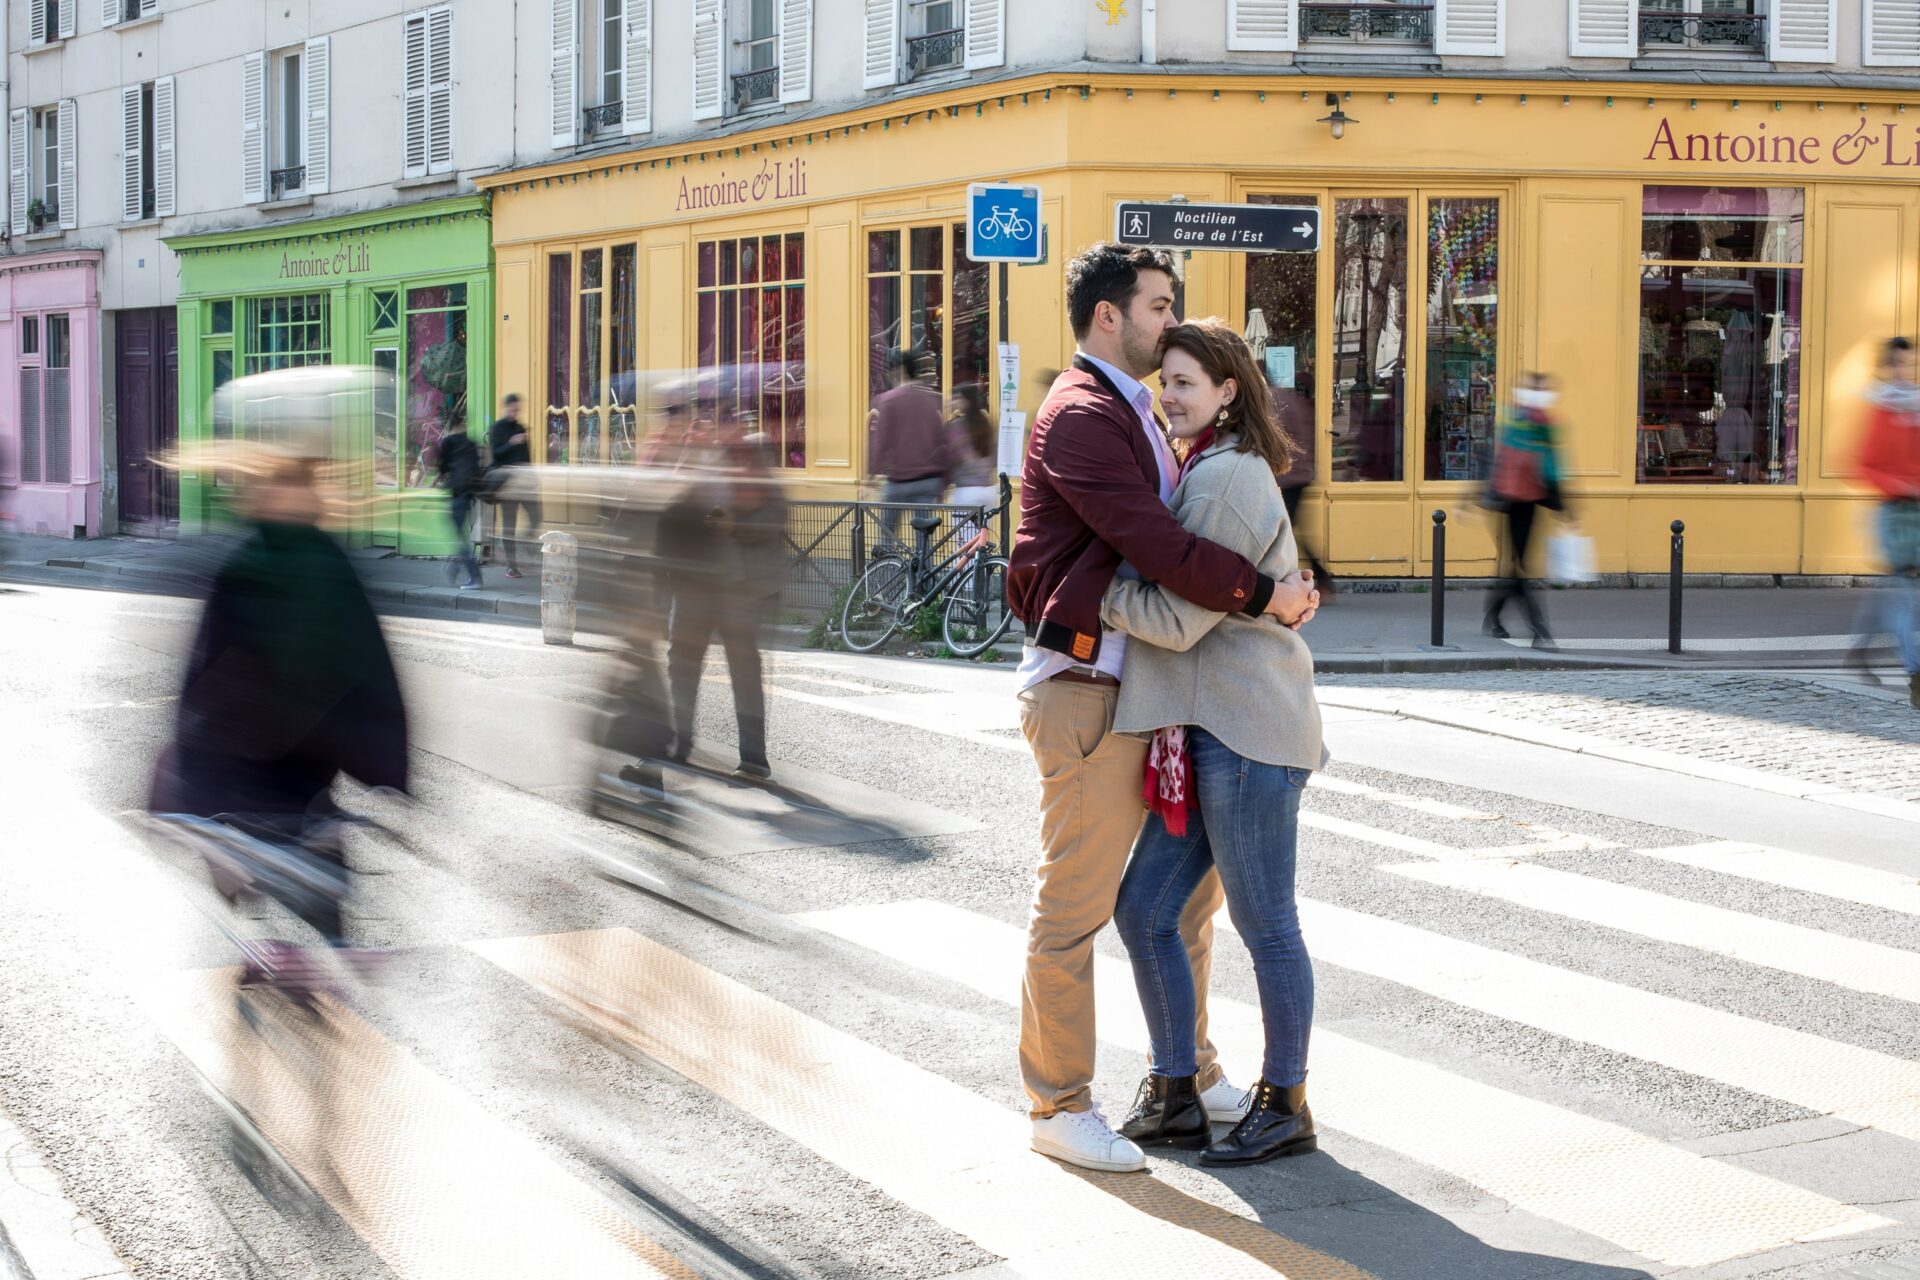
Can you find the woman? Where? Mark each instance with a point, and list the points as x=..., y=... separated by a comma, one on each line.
x=1526, y=477
x=1236, y=732
x=970, y=444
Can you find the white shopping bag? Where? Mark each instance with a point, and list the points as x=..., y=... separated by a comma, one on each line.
x=1570, y=558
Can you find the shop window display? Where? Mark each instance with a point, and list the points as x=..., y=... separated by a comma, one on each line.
x=435, y=394
x=935, y=300
x=1369, y=339
x=1463, y=308
x=751, y=339
x=1283, y=307
x=1720, y=307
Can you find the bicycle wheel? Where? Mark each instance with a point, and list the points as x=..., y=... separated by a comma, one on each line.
x=872, y=612
x=988, y=229
x=976, y=614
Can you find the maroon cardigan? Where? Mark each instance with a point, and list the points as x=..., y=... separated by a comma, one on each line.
x=1090, y=499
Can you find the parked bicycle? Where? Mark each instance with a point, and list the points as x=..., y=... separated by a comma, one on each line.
x=969, y=588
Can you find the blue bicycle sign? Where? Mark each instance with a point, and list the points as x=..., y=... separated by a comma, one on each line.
x=1003, y=223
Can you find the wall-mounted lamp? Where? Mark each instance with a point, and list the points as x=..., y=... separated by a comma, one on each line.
x=1339, y=120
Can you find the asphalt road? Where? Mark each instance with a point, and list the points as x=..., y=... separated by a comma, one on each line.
x=1578, y=1014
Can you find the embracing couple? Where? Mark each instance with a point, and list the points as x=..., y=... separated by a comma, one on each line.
x=1168, y=700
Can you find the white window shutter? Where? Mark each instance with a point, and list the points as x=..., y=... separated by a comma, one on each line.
x=131, y=161
x=796, y=50
x=148, y=6
x=316, y=65
x=66, y=19
x=440, y=89
x=1263, y=25
x=1891, y=35
x=709, y=59
x=109, y=12
x=986, y=35
x=636, y=67
x=69, y=168
x=1803, y=31
x=1603, y=28
x=163, y=154
x=1474, y=28
x=881, y=60
x=37, y=24
x=565, y=61
x=18, y=128
x=253, y=128
x=415, y=111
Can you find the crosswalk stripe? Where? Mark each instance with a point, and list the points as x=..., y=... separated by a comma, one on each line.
x=1828, y=877
x=415, y=1166
x=1420, y=804
x=1381, y=837
x=1789, y=948
x=932, y=1145
x=1862, y=1085
x=1623, y=1187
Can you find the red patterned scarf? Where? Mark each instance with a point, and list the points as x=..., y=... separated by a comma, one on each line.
x=1168, y=787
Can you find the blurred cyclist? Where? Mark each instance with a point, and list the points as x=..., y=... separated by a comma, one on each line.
x=1890, y=464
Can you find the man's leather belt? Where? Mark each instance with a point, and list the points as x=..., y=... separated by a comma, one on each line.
x=1086, y=677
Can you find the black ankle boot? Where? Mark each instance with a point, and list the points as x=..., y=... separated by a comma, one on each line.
x=1277, y=1124
x=1168, y=1112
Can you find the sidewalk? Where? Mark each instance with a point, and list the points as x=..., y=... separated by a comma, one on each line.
x=1359, y=631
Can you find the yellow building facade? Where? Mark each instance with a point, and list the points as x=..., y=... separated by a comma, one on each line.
x=1705, y=270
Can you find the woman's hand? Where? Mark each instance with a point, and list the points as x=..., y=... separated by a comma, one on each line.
x=1294, y=599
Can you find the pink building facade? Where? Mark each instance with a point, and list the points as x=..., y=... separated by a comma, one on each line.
x=51, y=468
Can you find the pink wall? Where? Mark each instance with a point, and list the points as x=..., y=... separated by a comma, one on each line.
x=56, y=280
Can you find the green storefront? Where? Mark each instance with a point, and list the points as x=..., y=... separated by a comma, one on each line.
x=408, y=291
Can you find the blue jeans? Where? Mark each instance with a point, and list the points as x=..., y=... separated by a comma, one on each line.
x=1249, y=826
x=1895, y=609
x=460, y=511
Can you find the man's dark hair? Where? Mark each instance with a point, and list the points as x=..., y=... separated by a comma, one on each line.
x=1108, y=272
x=1895, y=346
x=512, y=397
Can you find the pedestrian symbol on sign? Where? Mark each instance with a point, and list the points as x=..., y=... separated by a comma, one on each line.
x=1137, y=224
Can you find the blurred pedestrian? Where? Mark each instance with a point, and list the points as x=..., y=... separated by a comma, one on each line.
x=459, y=475
x=726, y=539
x=289, y=683
x=1890, y=464
x=515, y=489
x=971, y=447
x=1526, y=478
x=1295, y=413
x=909, y=448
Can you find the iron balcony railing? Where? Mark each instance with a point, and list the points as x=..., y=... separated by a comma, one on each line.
x=605, y=117
x=935, y=51
x=751, y=88
x=1367, y=20
x=281, y=181
x=1733, y=32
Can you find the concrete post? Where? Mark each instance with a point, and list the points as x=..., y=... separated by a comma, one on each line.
x=559, y=581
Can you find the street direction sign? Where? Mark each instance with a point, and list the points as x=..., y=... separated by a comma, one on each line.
x=1235, y=228
x=1003, y=223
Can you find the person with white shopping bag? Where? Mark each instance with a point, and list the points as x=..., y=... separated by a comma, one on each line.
x=1526, y=477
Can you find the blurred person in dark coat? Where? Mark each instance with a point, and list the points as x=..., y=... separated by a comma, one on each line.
x=289, y=684
x=725, y=542
x=1296, y=419
x=515, y=489
x=459, y=475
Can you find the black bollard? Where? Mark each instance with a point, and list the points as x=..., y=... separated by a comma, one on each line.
x=1006, y=515
x=1675, y=573
x=859, y=550
x=1439, y=579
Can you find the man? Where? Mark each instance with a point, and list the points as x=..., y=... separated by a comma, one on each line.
x=1890, y=464
x=1096, y=484
x=909, y=446
x=460, y=477
x=516, y=493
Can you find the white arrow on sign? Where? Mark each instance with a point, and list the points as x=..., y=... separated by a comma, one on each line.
x=1305, y=229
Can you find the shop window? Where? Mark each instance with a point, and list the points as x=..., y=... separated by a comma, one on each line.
x=287, y=333
x=592, y=355
x=1282, y=325
x=933, y=299
x=1709, y=26
x=1369, y=339
x=386, y=310
x=1391, y=24
x=46, y=419
x=1720, y=304
x=220, y=317
x=1463, y=330
x=756, y=82
x=386, y=417
x=936, y=36
x=751, y=340
x=434, y=396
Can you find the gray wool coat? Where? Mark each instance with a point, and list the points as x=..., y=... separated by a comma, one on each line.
x=1247, y=681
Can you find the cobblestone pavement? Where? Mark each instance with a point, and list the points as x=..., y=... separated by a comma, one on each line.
x=1800, y=727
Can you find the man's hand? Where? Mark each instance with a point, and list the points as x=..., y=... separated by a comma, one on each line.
x=517, y=439
x=1294, y=599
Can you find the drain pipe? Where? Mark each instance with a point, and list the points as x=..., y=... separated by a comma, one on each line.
x=1149, y=32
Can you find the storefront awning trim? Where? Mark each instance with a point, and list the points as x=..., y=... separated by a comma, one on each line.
x=453, y=209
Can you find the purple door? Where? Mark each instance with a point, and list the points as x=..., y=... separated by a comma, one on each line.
x=146, y=362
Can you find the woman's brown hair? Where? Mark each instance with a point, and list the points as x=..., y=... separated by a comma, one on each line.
x=1221, y=354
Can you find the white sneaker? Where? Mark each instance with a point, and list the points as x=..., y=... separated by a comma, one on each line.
x=1226, y=1102
x=1084, y=1138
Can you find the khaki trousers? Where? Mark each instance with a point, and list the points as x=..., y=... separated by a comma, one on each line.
x=1091, y=810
